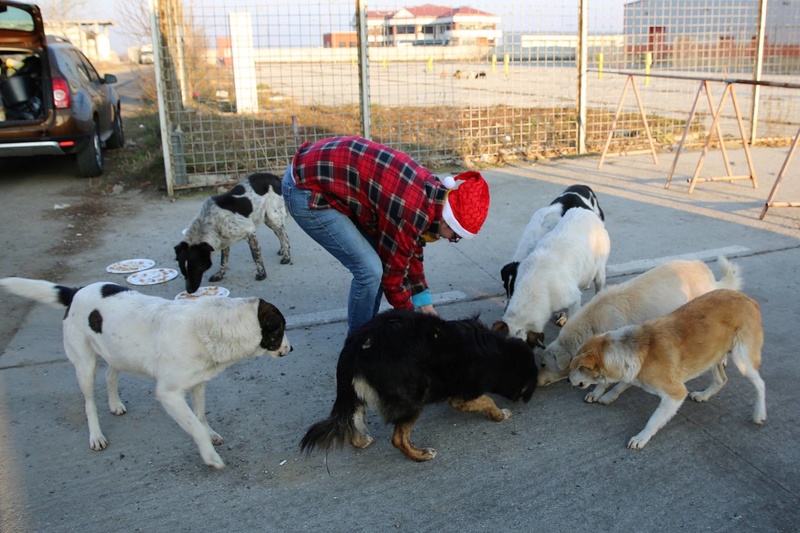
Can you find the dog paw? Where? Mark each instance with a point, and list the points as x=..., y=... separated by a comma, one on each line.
x=216, y=277
x=561, y=319
x=98, y=442
x=216, y=438
x=506, y=414
x=638, y=442
x=590, y=398
x=361, y=442
x=286, y=260
x=261, y=275
x=118, y=408
x=214, y=461
x=698, y=396
x=426, y=455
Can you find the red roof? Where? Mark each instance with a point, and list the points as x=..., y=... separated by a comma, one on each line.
x=429, y=10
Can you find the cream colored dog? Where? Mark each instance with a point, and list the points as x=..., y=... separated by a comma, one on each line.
x=652, y=294
x=662, y=354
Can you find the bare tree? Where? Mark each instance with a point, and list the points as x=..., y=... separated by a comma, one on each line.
x=59, y=10
x=134, y=19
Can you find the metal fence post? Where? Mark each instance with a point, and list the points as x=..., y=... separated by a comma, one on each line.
x=363, y=67
x=757, y=68
x=166, y=145
x=582, y=57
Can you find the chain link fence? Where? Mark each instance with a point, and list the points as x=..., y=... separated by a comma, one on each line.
x=243, y=83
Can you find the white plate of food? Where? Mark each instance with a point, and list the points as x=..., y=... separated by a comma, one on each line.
x=203, y=292
x=152, y=276
x=129, y=266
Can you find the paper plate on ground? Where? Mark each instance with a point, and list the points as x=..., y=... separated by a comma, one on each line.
x=152, y=276
x=203, y=292
x=129, y=266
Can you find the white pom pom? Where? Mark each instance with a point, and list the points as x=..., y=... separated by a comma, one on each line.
x=449, y=182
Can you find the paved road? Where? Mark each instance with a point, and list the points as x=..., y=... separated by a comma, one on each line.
x=557, y=464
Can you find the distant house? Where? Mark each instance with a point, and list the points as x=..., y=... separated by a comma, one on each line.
x=341, y=39
x=683, y=30
x=432, y=25
x=91, y=36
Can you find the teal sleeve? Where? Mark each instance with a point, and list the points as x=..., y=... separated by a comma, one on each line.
x=422, y=298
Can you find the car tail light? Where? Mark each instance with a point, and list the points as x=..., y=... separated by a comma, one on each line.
x=60, y=93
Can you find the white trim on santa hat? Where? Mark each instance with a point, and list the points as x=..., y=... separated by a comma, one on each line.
x=450, y=218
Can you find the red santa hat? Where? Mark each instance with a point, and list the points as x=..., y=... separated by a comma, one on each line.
x=466, y=207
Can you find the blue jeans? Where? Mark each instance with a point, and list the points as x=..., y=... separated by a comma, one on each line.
x=344, y=240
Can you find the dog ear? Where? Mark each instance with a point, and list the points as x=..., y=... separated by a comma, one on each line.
x=182, y=255
x=535, y=339
x=501, y=327
x=273, y=325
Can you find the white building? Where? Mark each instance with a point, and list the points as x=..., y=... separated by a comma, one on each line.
x=433, y=25
x=91, y=36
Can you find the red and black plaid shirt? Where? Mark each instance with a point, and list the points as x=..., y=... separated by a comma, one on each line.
x=383, y=191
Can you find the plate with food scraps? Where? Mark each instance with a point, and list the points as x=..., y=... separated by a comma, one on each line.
x=203, y=292
x=152, y=276
x=129, y=266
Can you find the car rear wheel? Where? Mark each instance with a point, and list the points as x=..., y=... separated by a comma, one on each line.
x=90, y=158
x=117, y=139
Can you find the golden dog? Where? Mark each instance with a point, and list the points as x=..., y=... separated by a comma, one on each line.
x=662, y=354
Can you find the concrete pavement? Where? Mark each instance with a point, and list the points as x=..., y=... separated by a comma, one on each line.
x=558, y=464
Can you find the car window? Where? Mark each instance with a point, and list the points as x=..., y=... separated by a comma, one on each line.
x=79, y=66
x=14, y=18
x=93, y=75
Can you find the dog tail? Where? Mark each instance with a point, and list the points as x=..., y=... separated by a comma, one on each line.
x=340, y=426
x=41, y=291
x=731, y=276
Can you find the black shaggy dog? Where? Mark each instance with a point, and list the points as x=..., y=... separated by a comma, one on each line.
x=401, y=361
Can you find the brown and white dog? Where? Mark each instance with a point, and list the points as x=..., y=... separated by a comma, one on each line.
x=662, y=354
x=180, y=344
x=652, y=294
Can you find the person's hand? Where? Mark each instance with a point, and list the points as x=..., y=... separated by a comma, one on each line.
x=427, y=309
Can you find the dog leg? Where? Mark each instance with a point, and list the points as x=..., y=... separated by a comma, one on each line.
x=663, y=414
x=401, y=438
x=481, y=404
x=255, y=252
x=360, y=438
x=279, y=229
x=85, y=368
x=718, y=380
x=198, y=395
x=223, y=265
x=114, y=403
x=174, y=402
x=614, y=393
x=596, y=393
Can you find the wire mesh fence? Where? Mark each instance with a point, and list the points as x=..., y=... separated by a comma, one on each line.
x=243, y=82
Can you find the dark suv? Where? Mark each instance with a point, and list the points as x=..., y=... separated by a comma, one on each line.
x=53, y=101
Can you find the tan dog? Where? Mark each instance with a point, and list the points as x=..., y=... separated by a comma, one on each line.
x=652, y=294
x=662, y=354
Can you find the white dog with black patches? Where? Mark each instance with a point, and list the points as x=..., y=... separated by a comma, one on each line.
x=652, y=294
x=180, y=344
x=543, y=221
x=565, y=261
x=231, y=217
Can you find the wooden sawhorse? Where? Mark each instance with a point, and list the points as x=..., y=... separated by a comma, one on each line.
x=715, y=129
x=772, y=193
